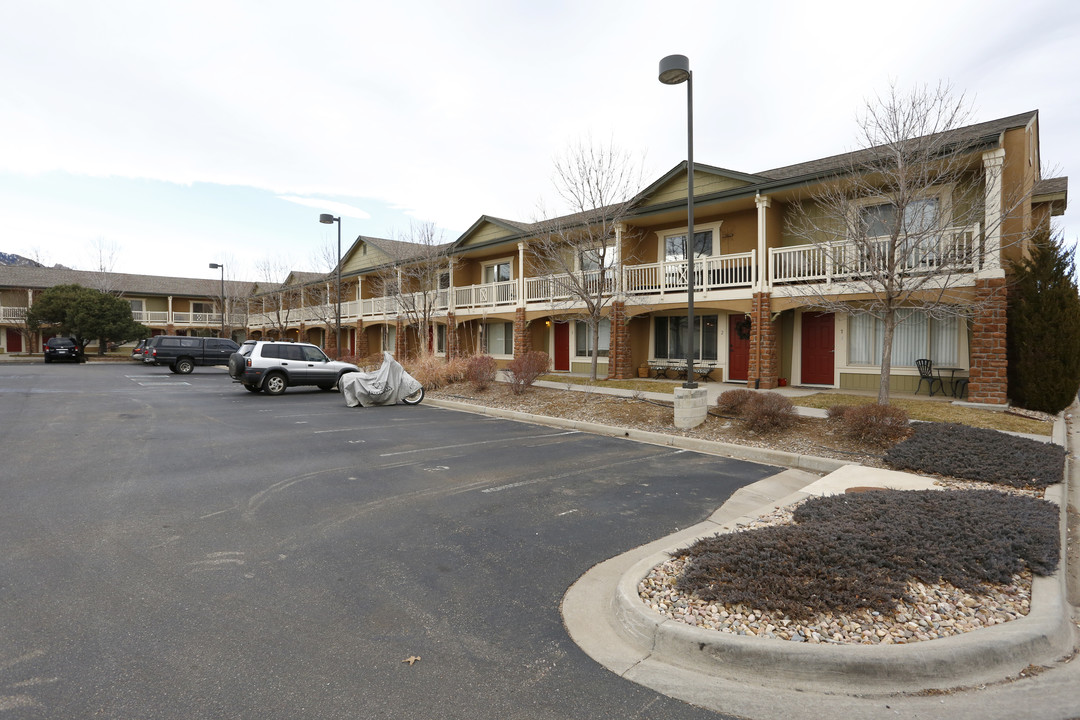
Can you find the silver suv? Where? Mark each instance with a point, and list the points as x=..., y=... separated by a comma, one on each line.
x=264, y=365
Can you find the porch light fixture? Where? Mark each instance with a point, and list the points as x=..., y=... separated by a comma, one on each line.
x=215, y=266
x=674, y=70
x=327, y=219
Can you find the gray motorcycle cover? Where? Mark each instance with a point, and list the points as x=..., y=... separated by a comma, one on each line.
x=385, y=386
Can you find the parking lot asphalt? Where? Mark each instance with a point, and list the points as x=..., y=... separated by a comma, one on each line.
x=175, y=547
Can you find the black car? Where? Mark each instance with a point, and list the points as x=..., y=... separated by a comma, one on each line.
x=62, y=348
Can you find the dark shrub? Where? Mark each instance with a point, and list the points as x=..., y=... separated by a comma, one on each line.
x=1044, y=328
x=837, y=412
x=979, y=454
x=481, y=371
x=875, y=424
x=859, y=550
x=524, y=370
x=732, y=402
x=767, y=412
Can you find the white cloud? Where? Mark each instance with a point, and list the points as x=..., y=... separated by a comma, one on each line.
x=336, y=208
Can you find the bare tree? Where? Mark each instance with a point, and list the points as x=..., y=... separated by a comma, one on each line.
x=418, y=278
x=276, y=299
x=103, y=254
x=903, y=223
x=578, y=251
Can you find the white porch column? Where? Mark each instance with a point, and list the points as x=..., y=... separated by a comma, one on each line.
x=762, y=282
x=521, y=275
x=993, y=162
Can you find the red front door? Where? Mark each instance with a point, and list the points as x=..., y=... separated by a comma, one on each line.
x=562, y=346
x=818, y=345
x=738, y=347
x=14, y=341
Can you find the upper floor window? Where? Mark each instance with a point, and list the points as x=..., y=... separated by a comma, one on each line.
x=202, y=307
x=882, y=220
x=137, y=305
x=497, y=272
x=675, y=245
x=589, y=260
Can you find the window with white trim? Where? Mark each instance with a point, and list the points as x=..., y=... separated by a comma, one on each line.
x=675, y=245
x=670, y=337
x=915, y=336
x=584, y=338
x=440, y=339
x=499, y=271
x=499, y=338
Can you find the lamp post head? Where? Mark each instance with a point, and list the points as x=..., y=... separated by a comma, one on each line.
x=327, y=219
x=674, y=69
x=215, y=266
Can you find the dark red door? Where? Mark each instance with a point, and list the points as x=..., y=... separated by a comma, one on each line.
x=14, y=341
x=562, y=346
x=738, y=347
x=818, y=345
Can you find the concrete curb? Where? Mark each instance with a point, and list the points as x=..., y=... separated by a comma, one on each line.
x=741, y=452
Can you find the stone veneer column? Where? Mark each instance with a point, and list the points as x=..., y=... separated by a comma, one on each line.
x=989, y=363
x=522, y=343
x=452, y=349
x=619, y=359
x=763, y=345
x=362, y=348
x=400, y=350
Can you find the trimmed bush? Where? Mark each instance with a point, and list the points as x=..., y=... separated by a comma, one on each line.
x=837, y=412
x=875, y=424
x=524, y=370
x=973, y=453
x=768, y=412
x=732, y=402
x=859, y=550
x=481, y=371
x=457, y=369
x=429, y=370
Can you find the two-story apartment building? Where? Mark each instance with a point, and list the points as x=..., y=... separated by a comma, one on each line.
x=759, y=284
x=166, y=305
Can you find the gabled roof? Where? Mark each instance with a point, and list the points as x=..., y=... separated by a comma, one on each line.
x=41, y=278
x=679, y=171
x=1054, y=191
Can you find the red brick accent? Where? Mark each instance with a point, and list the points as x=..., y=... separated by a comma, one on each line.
x=362, y=348
x=764, y=352
x=522, y=342
x=619, y=356
x=989, y=363
x=401, y=351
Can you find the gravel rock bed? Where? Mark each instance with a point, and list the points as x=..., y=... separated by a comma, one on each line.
x=935, y=610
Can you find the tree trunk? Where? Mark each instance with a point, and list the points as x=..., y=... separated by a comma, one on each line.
x=886, y=357
x=595, y=348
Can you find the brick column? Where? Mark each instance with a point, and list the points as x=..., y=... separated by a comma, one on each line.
x=764, y=354
x=452, y=350
x=400, y=349
x=619, y=357
x=522, y=342
x=989, y=363
x=362, y=349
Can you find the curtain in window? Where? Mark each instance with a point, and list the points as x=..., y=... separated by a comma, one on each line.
x=499, y=338
x=915, y=336
x=669, y=334
x=584, y=338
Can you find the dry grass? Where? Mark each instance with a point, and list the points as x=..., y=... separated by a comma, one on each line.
x=916, y=408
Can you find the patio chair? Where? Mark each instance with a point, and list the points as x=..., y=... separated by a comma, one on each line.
x=926, y=374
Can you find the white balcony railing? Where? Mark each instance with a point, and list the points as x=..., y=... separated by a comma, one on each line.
x=956, y=250
x=714, y=273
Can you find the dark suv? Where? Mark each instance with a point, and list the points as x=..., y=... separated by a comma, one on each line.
x=62, y=348
x=183, y=353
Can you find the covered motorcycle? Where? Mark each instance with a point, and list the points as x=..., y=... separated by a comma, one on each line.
x=388, y=385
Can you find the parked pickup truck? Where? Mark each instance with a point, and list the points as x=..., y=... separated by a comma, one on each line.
x=182, y=354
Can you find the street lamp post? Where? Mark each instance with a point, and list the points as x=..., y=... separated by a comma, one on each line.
x=215, y=266
x=675, y=69
x=327, y=219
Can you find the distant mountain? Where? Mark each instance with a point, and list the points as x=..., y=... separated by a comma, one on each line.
x=18, y=260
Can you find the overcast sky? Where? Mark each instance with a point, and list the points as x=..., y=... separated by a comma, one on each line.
x=180, y=134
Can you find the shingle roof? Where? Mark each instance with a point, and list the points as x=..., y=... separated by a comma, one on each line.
x=31, y=277
x=970, y=134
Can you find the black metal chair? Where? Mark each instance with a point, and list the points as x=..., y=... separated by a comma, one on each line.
x=926, y=374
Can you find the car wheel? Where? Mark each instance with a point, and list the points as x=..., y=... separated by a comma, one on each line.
x=326, y=386
x=48, y=359
x=252, y=388
x=415, y=398
x=184, y=366
x=236, y=365
x=172, y=368
x=275, y=384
